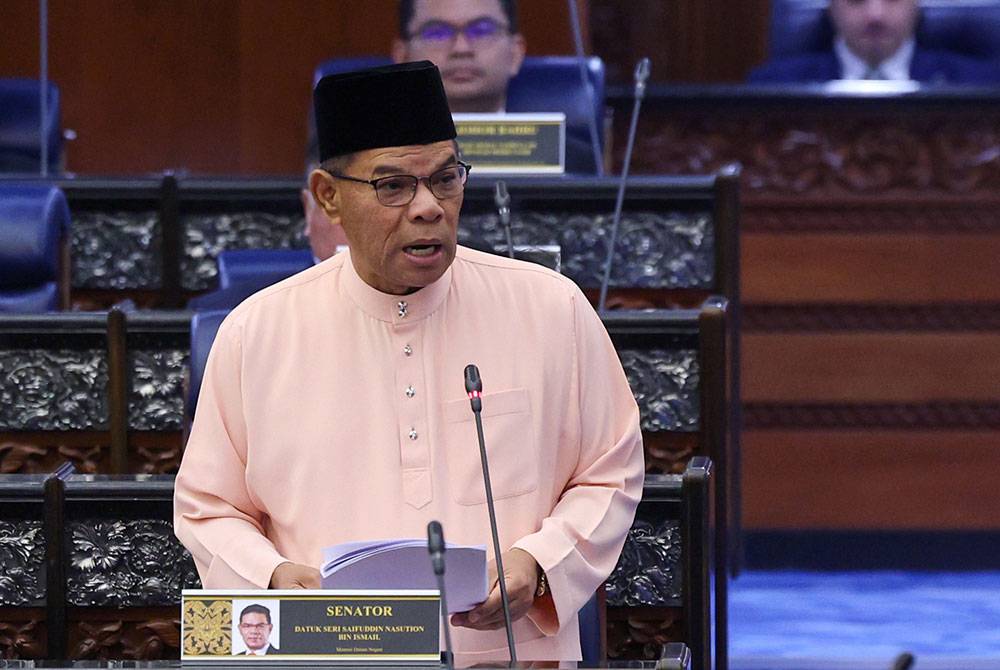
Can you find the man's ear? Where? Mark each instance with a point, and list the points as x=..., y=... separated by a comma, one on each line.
x=518, y=49
x=324, y=191
x=400, y=51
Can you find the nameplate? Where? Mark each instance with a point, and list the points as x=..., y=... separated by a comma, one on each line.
x=513, y=143
x=349, y=626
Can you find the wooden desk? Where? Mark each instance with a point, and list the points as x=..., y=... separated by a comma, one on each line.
x=870, y=235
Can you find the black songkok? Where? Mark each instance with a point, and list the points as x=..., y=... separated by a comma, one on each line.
x=391, y=106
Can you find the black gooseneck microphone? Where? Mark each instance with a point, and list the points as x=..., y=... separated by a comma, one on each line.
x=474, y=387
x=641, y=76
x=502, y=201
x=435, y=545
x=904, y=661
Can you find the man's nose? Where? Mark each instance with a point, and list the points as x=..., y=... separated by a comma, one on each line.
x=425, y=206
x=461, y=43
x=875, y=10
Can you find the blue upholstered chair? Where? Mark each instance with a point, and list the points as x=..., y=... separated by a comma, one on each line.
x=968, y=27
x=544, y=84
x=19, y=127
x=34, y=220
x=261, y=266
x=204, y=326
x=592, y=631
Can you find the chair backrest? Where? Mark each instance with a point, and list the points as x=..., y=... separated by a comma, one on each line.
x=261, y=266
x=544, y=84
x=204, y=326
x=968, y=27
x=19, y=126
x=34, y=220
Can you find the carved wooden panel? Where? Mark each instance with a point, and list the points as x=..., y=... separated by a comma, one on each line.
x=820, y=152
x=152, y=639
x=640, y=633
x=38, y=453
x=53, y=389
x=127, y=563
x=22, y=557
x=23, y=638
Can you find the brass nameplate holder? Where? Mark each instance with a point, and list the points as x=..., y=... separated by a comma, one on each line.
x=513, y=143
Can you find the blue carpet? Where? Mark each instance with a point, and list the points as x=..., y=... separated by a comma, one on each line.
x=830, y=620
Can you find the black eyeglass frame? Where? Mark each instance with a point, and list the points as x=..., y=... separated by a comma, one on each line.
x=413, y=194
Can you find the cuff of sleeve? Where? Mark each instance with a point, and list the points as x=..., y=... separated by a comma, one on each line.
x=253, y=566
x=544, y=612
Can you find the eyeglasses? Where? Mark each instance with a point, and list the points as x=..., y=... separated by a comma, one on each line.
x=441, y=33
x=259, y=627
x=398, y=190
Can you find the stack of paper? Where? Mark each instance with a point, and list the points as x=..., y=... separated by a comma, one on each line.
x=406, y=564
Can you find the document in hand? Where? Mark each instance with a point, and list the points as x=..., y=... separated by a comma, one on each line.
x=405, y=564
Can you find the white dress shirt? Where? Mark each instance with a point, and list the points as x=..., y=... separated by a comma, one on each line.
x=894, y=68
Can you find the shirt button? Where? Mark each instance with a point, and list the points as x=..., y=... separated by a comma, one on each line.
x=413, y=433
x=401, y=308
x=408, y=350
x=410, y=391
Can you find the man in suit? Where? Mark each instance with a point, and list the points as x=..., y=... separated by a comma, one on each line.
x=255, y=629
x=477, y=46
x=876, y=40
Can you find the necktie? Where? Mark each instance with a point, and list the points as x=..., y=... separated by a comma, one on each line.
x=874, y=74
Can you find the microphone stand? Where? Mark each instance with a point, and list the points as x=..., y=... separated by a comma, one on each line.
x=641, y=76
x=474, y=387
x=436, y=547
x=581, y=58
x=501, y=198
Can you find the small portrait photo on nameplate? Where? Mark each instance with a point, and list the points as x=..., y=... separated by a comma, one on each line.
x=324, y=625
x=513, y=143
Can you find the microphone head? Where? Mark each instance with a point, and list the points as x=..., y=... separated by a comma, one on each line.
x=435, y=538
x=500, y=196
x=641, y=76
x=473, y=384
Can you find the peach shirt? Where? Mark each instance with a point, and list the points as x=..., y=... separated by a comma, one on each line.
x=332, y=412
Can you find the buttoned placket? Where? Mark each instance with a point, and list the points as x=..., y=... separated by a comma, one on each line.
x=410, y=400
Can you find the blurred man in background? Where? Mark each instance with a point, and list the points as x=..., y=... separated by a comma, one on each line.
x=877, y=40
x=474, y=43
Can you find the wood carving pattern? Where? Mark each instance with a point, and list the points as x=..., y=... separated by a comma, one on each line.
x=641, y=635
x=22, y=555
x=157, y=398
x=793, y=154
x=116, y=250
x=44, y=457
x=665, y=385
x=206, y=235
x=649, y=569
x=139, y=640
x=127, y=563
x=22, y=640
x=50, y=389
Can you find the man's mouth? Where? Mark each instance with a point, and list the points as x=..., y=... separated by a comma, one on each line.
x=422, y=250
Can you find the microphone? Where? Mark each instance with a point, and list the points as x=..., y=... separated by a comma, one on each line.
x=474, y=387
x=581, y=59
x=502, y=200
x=435, y=545
x=904, y=661
x=641, y=76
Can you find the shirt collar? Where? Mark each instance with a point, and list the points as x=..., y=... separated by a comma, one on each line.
x=896, y=67
x=394, y=309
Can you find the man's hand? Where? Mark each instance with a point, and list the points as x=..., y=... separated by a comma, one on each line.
x=290, y=575
x=521, y=571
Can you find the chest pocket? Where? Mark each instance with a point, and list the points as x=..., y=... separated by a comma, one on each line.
x=510, y=447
